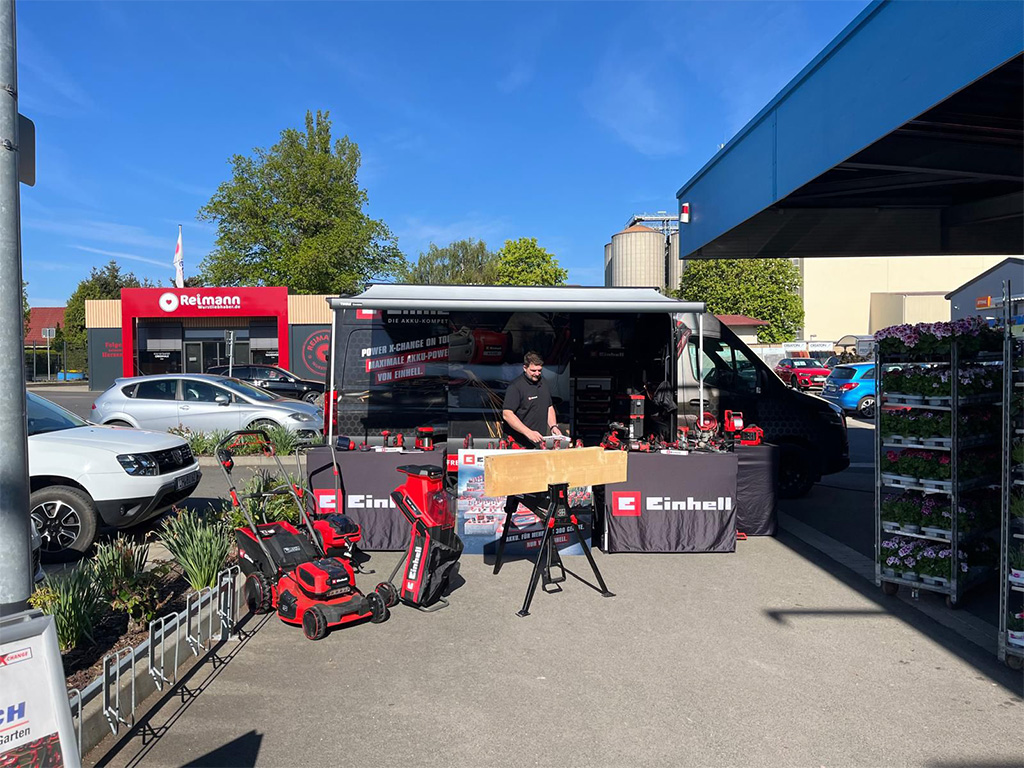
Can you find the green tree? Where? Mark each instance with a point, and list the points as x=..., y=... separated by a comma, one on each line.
x=463, y=262
x=293, y=215
x=523, y=262
x=103, y=283
x=761, y=288
x=26, y=310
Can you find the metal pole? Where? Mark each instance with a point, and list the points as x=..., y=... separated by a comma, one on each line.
x=64, y=360
x=15, y=541
x=47, y=358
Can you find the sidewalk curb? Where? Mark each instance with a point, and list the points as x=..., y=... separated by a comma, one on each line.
x=969, y=627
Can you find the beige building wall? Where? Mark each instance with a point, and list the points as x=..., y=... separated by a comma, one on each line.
x=837, y=291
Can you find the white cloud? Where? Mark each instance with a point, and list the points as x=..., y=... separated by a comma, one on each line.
x=415, y=235
x=168, y=262
x=625, y=99
x=102, y=231
x=46, y=87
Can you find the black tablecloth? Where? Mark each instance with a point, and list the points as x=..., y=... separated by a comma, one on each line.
x=368, y=478
x=756, y=507
x=673, y=504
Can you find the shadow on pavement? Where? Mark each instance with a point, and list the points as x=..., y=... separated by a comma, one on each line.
x=157, y=721
x=984, y=662
x=782, y=616
x=238, y=753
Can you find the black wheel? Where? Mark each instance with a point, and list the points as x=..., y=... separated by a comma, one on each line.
x=259, y=596
x=311, y=397
x=262, y=424
x=866, y=407
x=66, y=520
x=1015, y=663
x=951, y=603
x=118, y=423
x=796, y=476
x=794, y=383
x=314, y=623
x=387, y=590
x=890, y=588
x=378, y=608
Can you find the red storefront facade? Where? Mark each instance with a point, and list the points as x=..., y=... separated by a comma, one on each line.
x=175, y=330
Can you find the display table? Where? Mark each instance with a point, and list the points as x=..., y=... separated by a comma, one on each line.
x=368, y=478
x=672, y=504
x=757, y=475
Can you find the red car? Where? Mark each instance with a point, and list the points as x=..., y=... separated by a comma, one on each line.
x=802, y=373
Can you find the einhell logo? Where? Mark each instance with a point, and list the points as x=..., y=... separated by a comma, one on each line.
x=626, y=503
x=169, y=301
x=327, y=501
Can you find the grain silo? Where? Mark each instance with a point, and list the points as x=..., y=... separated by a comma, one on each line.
x=608, y=265
x=638, y=258
x=674, y=265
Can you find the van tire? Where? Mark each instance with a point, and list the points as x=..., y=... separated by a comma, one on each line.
x=796, y=472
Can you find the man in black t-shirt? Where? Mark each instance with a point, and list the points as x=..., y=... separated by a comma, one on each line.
x=528, y=411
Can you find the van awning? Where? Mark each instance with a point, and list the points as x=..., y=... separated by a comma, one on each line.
x=498, y=298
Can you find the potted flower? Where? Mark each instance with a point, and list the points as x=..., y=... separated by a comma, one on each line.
x=935, y=517
x=1016, y=558
x=1017, y=513
x=889, y=556
x=1015, y=629
x=908, y=554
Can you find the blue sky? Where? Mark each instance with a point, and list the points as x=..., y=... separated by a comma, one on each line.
x=486, y=120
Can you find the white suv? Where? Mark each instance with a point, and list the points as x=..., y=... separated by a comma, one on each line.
x=82, y=473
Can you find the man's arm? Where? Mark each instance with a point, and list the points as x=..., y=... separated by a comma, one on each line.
x=514, y=421
x=553, y=421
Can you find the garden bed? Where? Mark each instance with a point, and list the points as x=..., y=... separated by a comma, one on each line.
x=114, y=632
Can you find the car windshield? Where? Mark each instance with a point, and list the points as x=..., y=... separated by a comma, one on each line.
x=247, y=390
x=44, y=416
x=842, y=373
x=803, y=362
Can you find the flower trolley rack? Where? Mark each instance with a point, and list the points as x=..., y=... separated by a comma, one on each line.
x=937, y=440
x=1011, y=561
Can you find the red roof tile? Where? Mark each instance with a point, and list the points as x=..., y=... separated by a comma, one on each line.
x=731, y=320
x=42, y=317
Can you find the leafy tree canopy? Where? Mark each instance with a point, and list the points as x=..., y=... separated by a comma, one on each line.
x=523, y=262
x=762, y=288
x=463, y=262
x=293, y=215
x=103, y=283
x=26, y=310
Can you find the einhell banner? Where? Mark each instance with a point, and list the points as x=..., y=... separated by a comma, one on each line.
x=673, y=504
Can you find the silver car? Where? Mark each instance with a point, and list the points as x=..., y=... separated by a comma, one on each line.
x=202, y=403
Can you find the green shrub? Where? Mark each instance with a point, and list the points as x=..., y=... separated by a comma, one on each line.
x=283, y=440
x=1017, y=505
x=1016, y=557
x=75, y=601
x=199, y=543
x=119, y=568
x=268, y=507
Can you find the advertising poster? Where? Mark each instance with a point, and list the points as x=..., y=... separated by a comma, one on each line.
x=481, y=518
x=34, y=711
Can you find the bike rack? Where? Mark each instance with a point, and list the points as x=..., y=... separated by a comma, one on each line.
x=75, y=703
x=112, y=665
x=161, y=628
x=227, y=601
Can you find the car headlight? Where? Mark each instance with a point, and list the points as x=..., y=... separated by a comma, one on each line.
x=301, y=417
x=138, y=464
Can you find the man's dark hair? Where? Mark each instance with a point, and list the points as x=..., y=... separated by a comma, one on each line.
x=532, y=358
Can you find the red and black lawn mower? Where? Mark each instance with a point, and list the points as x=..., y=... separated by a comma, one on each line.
x=286, y=568
x=434, y=547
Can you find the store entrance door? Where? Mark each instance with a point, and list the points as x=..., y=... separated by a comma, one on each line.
x=193, y=357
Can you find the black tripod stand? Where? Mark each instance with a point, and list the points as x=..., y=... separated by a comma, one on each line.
x=548, y=559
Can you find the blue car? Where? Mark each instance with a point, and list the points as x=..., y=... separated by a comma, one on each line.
x=852, y=388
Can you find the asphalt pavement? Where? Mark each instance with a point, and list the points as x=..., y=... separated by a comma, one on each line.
x=784, y=653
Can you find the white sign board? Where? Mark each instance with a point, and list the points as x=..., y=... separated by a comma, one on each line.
x=819, y=346
x=35, y=718
x=49, y=333
x=795, y=346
